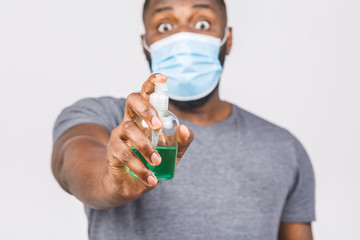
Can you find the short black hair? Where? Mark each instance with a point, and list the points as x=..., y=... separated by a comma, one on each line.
x=147, y=2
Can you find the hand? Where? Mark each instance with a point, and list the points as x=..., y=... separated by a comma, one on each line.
x=121, y=158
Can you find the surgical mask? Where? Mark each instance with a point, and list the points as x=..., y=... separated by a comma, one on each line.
x=190, y=61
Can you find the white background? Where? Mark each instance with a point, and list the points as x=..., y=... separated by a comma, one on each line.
x=295, y=63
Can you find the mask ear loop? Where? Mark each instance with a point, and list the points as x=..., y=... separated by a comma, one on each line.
x=147, y=48
x=223, y=41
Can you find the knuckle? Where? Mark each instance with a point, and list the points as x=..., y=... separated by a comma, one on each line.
x=145, y=148
x=114, y=132
x=108, y=146
x=125, y=156
x=118, y=134
x=126, y=191
x=131, y=96
x=112, y=160
x=147, y=110
x=110, y=157
x=128, y=125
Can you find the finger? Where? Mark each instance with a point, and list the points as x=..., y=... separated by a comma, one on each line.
x=184, y=137
x=132, y=135
x=136, y=105
x=149, y=85
x=120, y=155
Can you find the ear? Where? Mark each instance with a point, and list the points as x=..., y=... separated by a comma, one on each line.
x=142, y=36
x=229, y=41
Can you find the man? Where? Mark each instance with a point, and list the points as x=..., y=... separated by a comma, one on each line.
x=241, y=178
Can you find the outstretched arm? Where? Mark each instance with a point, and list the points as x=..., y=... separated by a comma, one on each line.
x=93, y=164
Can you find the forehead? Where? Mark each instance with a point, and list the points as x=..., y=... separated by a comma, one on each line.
x=157, y=2
x=154, y=6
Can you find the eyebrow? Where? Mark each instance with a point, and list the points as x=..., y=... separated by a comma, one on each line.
x=158, y=10
x=202, y=6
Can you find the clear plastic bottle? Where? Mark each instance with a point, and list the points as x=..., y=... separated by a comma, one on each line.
x=164, y=140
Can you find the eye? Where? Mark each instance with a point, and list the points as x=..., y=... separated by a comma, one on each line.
x=165, y=27
x=202, y=25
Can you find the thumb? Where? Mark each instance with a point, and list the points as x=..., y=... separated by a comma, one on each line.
x=184, y=137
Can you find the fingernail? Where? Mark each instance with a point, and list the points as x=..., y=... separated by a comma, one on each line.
x=156, y=122
x=159, y=75
x=151, y=180
x=187, y=133
x=155, y=159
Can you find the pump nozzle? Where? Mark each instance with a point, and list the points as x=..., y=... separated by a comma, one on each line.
x=160, y=100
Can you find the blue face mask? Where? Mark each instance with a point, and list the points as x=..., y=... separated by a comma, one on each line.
x=191, y=63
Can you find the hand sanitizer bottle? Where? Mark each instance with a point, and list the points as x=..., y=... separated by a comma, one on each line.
x=164, y=140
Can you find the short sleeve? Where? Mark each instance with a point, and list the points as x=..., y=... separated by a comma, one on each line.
x=300, y=203
x=105, y=111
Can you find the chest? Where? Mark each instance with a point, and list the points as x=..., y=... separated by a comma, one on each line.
x=236, y=184
x=229, y=173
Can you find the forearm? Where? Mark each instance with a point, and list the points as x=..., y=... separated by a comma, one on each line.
x=295, y=231
x=80, y=167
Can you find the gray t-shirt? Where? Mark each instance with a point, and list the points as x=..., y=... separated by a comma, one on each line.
x=239, y=179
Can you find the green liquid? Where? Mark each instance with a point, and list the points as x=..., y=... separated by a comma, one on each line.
x=166, y=169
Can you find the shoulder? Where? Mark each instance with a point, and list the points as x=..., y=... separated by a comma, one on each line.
x=259, y=127
x=105, y=111
x=270, y=138
x=103, y=103
x=96, y=106
x=284, y=159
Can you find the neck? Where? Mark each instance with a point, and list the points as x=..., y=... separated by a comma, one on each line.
x=215, y=110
